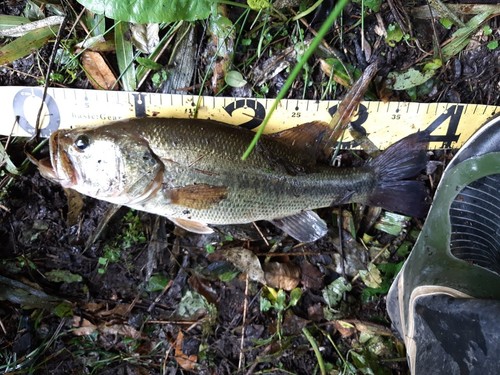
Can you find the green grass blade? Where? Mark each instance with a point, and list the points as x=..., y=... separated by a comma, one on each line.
x=25, y=44
x=296, y=71
x=125, y=57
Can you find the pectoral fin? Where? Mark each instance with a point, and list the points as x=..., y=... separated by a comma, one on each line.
x=192, y=226
x=306, y=226
x=199, y=196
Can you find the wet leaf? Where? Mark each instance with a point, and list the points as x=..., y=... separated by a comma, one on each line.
x=282, y=275
x=26, y=44
x=394, y=34
x=147, y=11
x=408, y=79
x=293, y=324
x=392, y=223
x=98, y=72
x=192, y=305
x=156, y=283
x=312, y=277
x=334, y=292
x=75, y=206
x=345, y=329
x=187, y=362
x=371, y=277
x=63, y=310
x=235, y=79
x=145, y=37
x=65, y=276
x=246, y=261
x=258, y=4
x=82, y=326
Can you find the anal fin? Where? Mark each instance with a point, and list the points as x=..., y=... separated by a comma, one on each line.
x=305, y=226
x=192, y=225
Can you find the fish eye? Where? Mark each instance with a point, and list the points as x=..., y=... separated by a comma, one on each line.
x=82, y=142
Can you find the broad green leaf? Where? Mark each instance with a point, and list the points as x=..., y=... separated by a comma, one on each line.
x=25, y=44
x=492, y=45
x=148, y=11
x=156, y=283
x=295, y=296
x=148, y=63
x=234, y=79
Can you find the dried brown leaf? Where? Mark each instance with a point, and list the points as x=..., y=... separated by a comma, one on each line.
x=284, y=276
x=75, y=206
x=187, y=362
x=101, y=77
x=83, y=327
x=312, y=277
x=246, y=261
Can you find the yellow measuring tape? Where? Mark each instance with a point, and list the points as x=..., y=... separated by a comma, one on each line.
x=385, y=123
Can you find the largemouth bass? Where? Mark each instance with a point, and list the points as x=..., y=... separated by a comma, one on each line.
x=191, y=172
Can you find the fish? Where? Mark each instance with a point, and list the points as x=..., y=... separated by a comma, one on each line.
x=191, y=172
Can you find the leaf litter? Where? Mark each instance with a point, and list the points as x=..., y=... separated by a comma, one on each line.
x=247, y=306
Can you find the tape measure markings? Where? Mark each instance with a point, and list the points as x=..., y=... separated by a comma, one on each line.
x=385, y=123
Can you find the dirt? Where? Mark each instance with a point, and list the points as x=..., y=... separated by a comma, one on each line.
x=205, y=316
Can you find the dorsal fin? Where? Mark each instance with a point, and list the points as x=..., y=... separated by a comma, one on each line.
x=308, y=138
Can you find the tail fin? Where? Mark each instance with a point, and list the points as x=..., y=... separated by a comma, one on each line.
x=401, y=161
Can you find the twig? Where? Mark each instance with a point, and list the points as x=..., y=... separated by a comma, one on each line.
x=47, y=75
x=242, y=342
x=260, y=232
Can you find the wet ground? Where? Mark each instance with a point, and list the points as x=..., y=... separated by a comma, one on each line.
x=145, y=297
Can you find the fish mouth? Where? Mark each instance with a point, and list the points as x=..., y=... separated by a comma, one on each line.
x=63, y=170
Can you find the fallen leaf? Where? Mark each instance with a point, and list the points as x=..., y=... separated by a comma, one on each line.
x=345, y=329
x=246, y=261
x=98, y=72
x=83, y=327
x=145, y=36
x=312, y=277
x=284, y=276
x=187, y=362
x=371, y=277
x=75, y=206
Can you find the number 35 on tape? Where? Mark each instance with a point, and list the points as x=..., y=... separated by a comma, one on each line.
x=385, y=123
